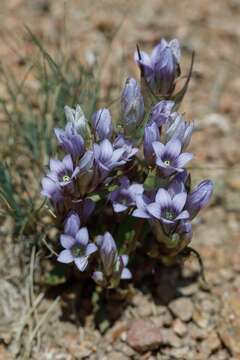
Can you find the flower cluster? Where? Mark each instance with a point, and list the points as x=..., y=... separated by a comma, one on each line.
x=132, y=169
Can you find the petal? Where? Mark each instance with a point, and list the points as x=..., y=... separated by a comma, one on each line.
x=98, y=276
x=67, y=161
x=117, y=154
x=175, y=47
x=72, y=224
x=183, y=159
x=163, y=198
x=91, y=248
x=65, y=257
x=142, y=57
x=106, y=150
x=155, y=210
x=173, y=148
x=119, y=207
x=141, y=213
x=158, y=148
x=81, y=262
x=179, y=201
x=183, y=215
x=86, y=161
x=49, y=187
x=82, y=236
x=125, y=259
x=67, y=241
x=126, y=274
x=56, y=166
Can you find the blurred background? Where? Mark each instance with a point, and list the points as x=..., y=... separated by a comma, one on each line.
x=54, y=53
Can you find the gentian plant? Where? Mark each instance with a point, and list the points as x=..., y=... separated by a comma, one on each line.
x=124, y=181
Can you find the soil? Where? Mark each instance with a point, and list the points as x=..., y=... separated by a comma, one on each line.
x=168, y=313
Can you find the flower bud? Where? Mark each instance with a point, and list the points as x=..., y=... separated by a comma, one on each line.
x=77, y=118
x=199, y=197
x=151, y=134
x=132, y=105
x=102, y=123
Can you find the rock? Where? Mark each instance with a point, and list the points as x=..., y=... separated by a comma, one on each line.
x=196, y=333
x=230, y=334
x=221, y=355
x=143, y=305
x=210, y=345
x=189, y=290
x=179, y=328
x=169, y=338
x=201, y=318
x=4, y=354
x=229, y=326
x=182, y=308
x=117, y=330
x=217, y=120
x=163, y=320
x=143, y=335
x=180, y=353
x=125, y=349
x=115, y=355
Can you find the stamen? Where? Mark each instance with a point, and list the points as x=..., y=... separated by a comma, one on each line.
x=77, y=251
x=167, y=162
x=66, y=178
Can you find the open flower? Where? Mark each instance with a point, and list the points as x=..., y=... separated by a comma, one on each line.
x=162, y=67
x=63, y=172
x=167, y=209
x=75, y=242
x=125, y=195
x=169, y=158
x=60, y=178
x=107, y=157
x=122, y=143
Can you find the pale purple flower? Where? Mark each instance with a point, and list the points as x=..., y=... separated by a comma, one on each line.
x=169, y=158
x=52, y=190
x=113, y=266
x=162, y=67
x=165, y=208
x=178, y=128
x=151, y=134
x=199, y=197
x=132, y=105
x=61, y=177
x=125, y=196
x=102, y=123
x=77, y=118
x=70, y=140
x=122, y=143
x=107, y=157
x=63, y=172
x=75, y=242
x=161, y=112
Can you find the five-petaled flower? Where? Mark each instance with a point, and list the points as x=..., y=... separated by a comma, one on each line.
x=169, y=158
x=75, y=242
